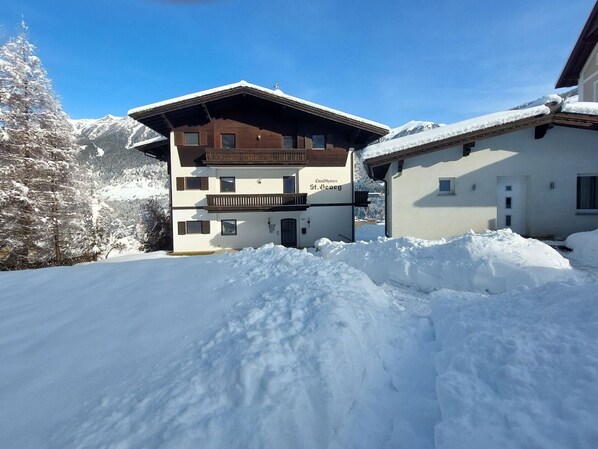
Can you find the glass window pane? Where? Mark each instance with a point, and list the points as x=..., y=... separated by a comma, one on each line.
x=191, y=138
x=508, y=220
x=508, y=202
x=444, y=185
x=587, y=192
x=194, y=227
x=227, y=184
x=319, y=141
x=228, y=141
x=288, y=184
x=193, y=183
x=229, y=227
x=288, y=142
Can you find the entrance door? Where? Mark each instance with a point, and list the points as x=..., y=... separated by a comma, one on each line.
x=288, y=232
x=510, y=206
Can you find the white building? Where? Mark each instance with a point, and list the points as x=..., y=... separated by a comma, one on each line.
x=250, y=165
x=534, y=170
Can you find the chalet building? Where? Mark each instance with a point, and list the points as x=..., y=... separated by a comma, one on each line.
x=534, y=170
x=250, y=165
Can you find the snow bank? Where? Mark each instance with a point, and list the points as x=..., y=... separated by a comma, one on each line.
x=491, y=262
x=265, y=348
x=517, y=371
x=584, y=246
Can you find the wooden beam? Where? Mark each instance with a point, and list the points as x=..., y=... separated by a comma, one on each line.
x=541, y=130
x=168, y=124
x=206, y=111
x=467, y=148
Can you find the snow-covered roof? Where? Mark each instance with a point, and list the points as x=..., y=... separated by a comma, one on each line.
x=275, y=95
x=449, y=131
x=581, y=107
x=148, y=142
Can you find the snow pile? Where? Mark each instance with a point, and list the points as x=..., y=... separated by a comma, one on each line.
x=265, y=348
x=581, y=107
x=491, y=262
x=517, y=371
x=584, y=246
x=455, y=129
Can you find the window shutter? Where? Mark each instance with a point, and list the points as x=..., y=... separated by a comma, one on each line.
x=204, y=183
x=205, y=227
x=182, y=227
x=203, y=138
x=300, y=142
x=308, y=143
x=179, y=138
x=180, y=183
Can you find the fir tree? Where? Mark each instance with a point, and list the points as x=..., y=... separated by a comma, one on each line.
x=42, y=205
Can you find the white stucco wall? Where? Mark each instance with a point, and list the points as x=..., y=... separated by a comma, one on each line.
x=588, y=79
x=417, y=209
x=329, y=197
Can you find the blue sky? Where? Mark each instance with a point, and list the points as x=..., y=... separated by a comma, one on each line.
x=390, y=60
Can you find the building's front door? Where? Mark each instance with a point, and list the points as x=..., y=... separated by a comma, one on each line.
x=288, y=232
x=510, y=208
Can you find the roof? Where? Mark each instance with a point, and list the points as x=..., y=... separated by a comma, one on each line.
x=581, y=51
x=243, y=87
x=446, y=136
x=568, y=113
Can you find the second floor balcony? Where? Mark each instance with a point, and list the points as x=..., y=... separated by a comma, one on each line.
x=255, y=157
x=257, y=202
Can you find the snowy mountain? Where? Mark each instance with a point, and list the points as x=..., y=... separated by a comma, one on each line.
x=105, y=143
x=411, y=127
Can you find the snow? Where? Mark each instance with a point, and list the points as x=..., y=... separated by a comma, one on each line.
x=585, y=247
x=455, y=129
x=277, y=347
x=369, y=231
x=580, y=107
x=250, y=86
x=411, y=127
x=148, y=141
x=491, y=262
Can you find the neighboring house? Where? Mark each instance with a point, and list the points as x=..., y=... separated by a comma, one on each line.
x=250, y=165
x=534, y=170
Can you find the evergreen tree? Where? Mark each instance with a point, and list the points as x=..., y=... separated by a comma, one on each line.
x=42, y=205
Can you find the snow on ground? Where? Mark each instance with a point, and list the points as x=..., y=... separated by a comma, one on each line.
x=134, y=189
x=278, y=347
x=491, y=262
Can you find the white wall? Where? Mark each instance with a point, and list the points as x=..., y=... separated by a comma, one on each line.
x=418, y=210
x=588, y=78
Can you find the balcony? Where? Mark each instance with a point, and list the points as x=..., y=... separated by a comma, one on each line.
x=257, y=202
x=255, y=157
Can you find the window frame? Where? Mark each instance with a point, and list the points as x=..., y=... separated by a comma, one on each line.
x=234, y=184
x=313, y=145
x=451, y=190
x=187, y=133
x=228, y=220
x=592, y=192
x=233, y=135
x=293, y=140
x=204, y=227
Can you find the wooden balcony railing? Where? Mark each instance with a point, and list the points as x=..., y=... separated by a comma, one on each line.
x=255, y=157
x=249, y=202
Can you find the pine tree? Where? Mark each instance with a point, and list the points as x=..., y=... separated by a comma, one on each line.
x=42, y=206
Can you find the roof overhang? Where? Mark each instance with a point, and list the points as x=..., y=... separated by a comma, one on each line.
x=586, y=42
x=155, y=116
x=155, y=148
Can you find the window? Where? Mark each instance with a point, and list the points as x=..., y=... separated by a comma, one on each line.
x=318, y=141
x=288, y=184
x=227, y=184
x=288, y=142
x=508, y=202
x=228, y=141
x=192, y=183
x=587, y=192
x=193, y=227
x=446, y=186
x=191, y=138
x=508, y=188
x=229, y=227
x=508, y=220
